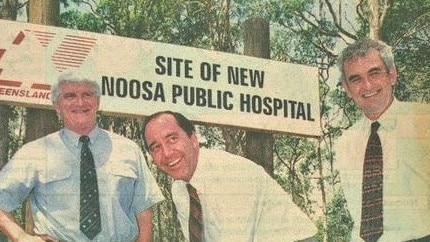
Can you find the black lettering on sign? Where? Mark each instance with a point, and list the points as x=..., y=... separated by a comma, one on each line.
x=134, y=89
x=209, y=72
x=245, y=77
x=200, y=97
x=275, y=107
x=121, y=87
x=173, y=67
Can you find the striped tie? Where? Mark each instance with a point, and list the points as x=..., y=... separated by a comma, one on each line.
x=195, y=223
x=89, y=220
x=371, y=211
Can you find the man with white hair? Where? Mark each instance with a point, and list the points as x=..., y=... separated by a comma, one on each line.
x=83, y=183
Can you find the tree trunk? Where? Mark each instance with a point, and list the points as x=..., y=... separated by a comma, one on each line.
x=377, y=12
x=4, y=134
x=45, y=12
x=232, y=139
x=42, y=122
x=374, y=25
x=5, y=111
x=8, y=11
x=259, y=146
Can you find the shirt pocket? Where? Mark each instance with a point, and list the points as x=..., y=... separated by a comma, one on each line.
x=56, y=187
x=122, y=182
x=54, y=175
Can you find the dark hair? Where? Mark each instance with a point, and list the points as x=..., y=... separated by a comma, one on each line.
x=181, y=120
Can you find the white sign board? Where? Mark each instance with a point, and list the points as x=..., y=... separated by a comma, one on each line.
x=141, y=77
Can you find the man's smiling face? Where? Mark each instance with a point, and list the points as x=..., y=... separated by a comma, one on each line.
x=369, y=83
x=77, y=106
x=172, y=149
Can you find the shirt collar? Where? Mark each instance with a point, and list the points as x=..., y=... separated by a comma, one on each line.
x=387, y=119
x=198, y=178
x=72, y=137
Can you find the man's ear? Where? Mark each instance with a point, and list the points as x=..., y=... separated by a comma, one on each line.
x=393, y=75
x=194, y=140
x=98, y=103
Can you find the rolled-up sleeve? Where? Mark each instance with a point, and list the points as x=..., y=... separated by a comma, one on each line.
x=18, y=178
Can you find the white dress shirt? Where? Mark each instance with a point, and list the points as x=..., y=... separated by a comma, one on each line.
x=240, y=202
x=405, y=138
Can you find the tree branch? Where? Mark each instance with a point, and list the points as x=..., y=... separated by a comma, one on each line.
x=336, y=21
x=384, y=11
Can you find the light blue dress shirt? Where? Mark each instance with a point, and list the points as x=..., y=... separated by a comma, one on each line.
x=47, y=171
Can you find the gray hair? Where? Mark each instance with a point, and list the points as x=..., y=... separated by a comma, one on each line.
x=360, y=48
x=70, y=77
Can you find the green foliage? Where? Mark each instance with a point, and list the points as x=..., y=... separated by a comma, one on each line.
x=16, y=129
x=165, y=221
x=339, y=221
x=211, y=137
x=295, y=162
x=74, y=19
x=182, y=22
x=293, y=39
x=350, y=112
x=407, y=28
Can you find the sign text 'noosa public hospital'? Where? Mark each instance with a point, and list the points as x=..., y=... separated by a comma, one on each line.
x=191, y=95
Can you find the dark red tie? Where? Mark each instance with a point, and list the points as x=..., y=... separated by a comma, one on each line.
x=195, y=223
x=371, y=227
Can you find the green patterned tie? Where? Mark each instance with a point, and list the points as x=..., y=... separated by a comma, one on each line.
x=89, y=220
